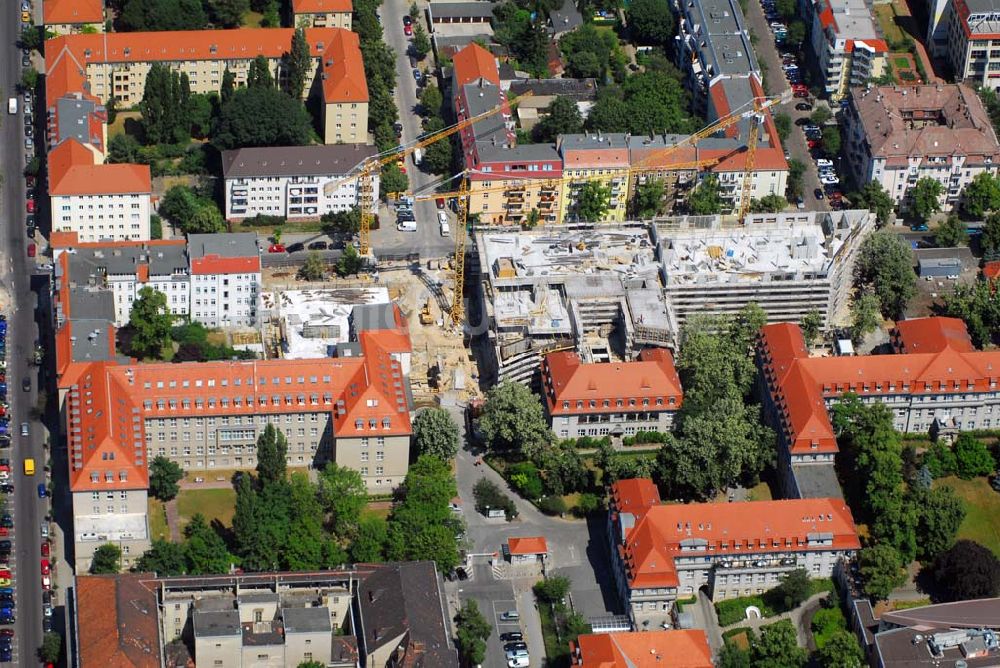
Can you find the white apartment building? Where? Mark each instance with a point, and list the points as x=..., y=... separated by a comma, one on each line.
x=968, y=36
x=96, y=201
x=848, y=44
x=662, y=552
x=896, y=136
x=296, y=182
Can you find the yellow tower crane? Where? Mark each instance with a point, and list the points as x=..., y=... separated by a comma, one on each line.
x=745, y=192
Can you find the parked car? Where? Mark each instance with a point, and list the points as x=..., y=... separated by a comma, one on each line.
x=824, y=162
x=818, y=193
x=919, y=227
x=30, y=205
x=32, y=250
x=407, y=20
x=408, y=30
x=803, y=106
x=319, y=245
x=296, y=247
x=42, y=492
x=506, y=615
x=512, y=636
x=276, y=248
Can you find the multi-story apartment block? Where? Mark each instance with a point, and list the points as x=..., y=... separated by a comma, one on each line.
x=506, y=181
x=213, y=279
x=368, y=615
x=322, y=13
x=935, y=380
x=295, y=182
x=116, y=64
x=99, y=202
x=967, y=36
x=63, y=17
x=897, y=136
x=662, y=552
x=610, y=398
x=601, y=158
x=79, y=116
x=848, y=45
x=674, y=648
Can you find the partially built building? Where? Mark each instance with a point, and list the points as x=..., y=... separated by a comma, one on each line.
x=608, y=292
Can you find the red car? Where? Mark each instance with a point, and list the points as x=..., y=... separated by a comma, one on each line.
x=276, y=248
x=30, y=206
x=440, y=202
x=45, y=566
x=408, y=31
x=31, y=250
x=45, y=550
x=812, y=144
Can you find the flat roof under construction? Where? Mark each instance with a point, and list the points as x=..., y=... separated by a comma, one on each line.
x=314, y=322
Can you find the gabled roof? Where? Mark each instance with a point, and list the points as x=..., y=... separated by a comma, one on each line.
x=343, y=69
x=527, y=545
x=643, y=649
x=120, y=627
x=473, y=63
x=63, y=12
x=72, y=172
x=321, y=6
x=650, y=382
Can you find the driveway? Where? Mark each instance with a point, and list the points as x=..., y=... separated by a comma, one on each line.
x=776, y=84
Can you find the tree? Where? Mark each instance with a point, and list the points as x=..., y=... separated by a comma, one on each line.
x=885, y=266
x=841, y=650
x=865, y=316
x=431, y=101
x=262, y=116
x=926, y=196
x=199, y=114
x=369, y=543
x=796, y=35
x=228, y=86
x=950, y=233
x=972, y=457
x=821, y=115
x=259, y=74
x=342, y=222
x=967, y=571
x=164, y=106
x=204, y=550
x=593, y=201
x=29, y=78
x=307, y=544
x=150, y=15
x=313, y=269
x=471, y=632
x=811, y=324
x=874, y=197
x=978, y=305
x=392, y=180
x=552, y=590
x=783, y=124
x=349, y=262
x=769, y=204
x=793, y=589
x=246, y=516
x=206, y=219
x=796, y=172
x=438, y=156
x=180, y=204
x=421, y=525
x=31, y=38
x=989, y=241
x=421, y=42
x=881, y=569
x=163, y=558
x=51, y=647
x=831, y=140
x=163, y=477
x=488, y=496
x=648, y=198
x=227, y=13
x=777, y=647
x=982, y=195
x=647, y=102
x=513, y=420
x=124, y=148
x=272, y=452
x=299, y=63
x=651, y=22
x=149, y=323
x=435, y=433
x=343, y=495
x=731, y=656
x=107, y=559
x=705, y=199
x=561, y=117
x=940, y=513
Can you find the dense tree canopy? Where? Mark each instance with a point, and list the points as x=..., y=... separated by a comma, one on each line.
x=164, y=106
x=472, y=631
x=881, y=569
x=874, y=197
x=978, y=305
x=966, y=571
x=149, y=323
x=513, y=420
x=593, y=201
x=777, y=647
x=650, y=102
x=422, y=525
x=885, y=266
x=262, y=116
x=926, y=196
x=107, y=559
x=149, y=15
x=951, y=232
x=982, y=195
x=705, y=199
x=435, y=433
x=163, y=477
x=651, y=22
x=562, y=117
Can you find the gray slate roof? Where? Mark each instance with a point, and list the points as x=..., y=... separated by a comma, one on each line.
x=314, y=160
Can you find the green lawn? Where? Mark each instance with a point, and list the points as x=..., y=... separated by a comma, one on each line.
x=887, y=20
x=902, y=62
x=158, y=527
x=762, y=492
x=214, y=504
x=982, y=510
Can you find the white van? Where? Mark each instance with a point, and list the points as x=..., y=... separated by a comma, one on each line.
x=443, y=224
x=407, y=226
x=12, y=105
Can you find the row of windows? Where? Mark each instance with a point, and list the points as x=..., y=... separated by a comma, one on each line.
x=606, y=403
x=234, y=420
x=236, y=382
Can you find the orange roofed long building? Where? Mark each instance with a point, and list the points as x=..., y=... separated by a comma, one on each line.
x=935, y=380
x=616, y=398
x=63, y=17
x=662, y=552
x=642, y=649
x=116, y=65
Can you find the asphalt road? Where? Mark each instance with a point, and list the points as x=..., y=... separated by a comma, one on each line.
x=427, y=240
x=15, y=279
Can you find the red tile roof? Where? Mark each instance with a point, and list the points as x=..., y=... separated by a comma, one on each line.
x=321, y=6
x=651, y=379
x=643, y=649
x=117, y=624
x=338, y=49
x=991, y=270
x=472, y=63
x=799, y=384
x=72, y=172
x=62, y=12
x=527, y=545
x=655, y=538
x=216, y=264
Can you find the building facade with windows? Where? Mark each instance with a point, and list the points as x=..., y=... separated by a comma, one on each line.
x=662, y=552
x=295, y=182
x=896, y=136
x=935, y=379
x=610, y=398
x=99, y=202
x=848, y=44
x=116, y=65
x=599, y=158
x=967, y=36
x=322, y=13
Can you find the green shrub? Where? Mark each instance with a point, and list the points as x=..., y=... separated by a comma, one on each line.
x=825, y=623
x=588, y=503
x=734, y=609
x=525, y=479
x=552, y=505
x=261, y=220
x=940, y=460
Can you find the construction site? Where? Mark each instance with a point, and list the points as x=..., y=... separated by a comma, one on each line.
x=611, y=290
